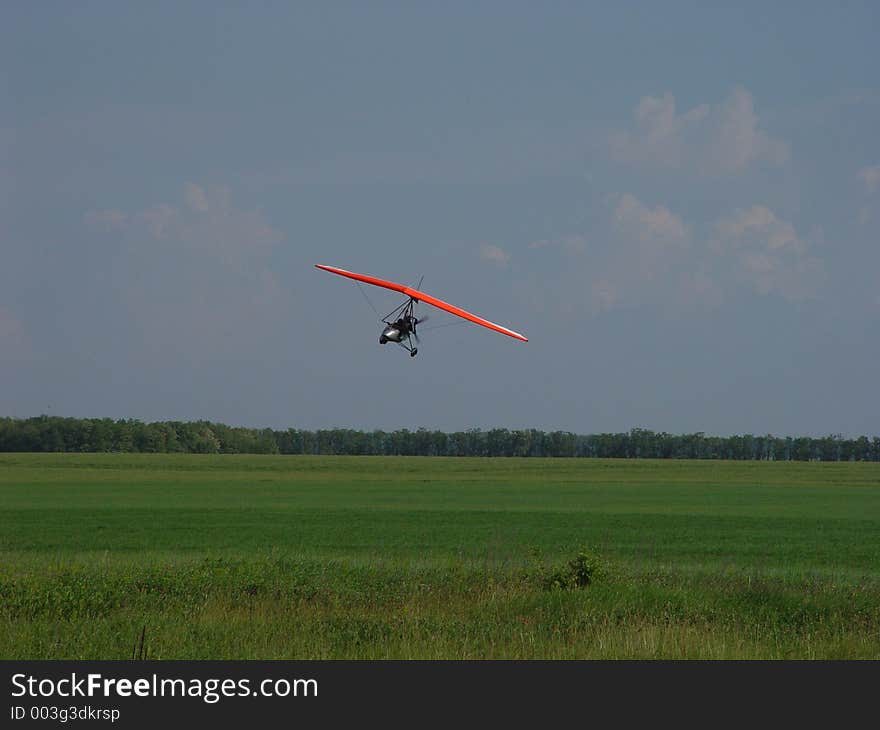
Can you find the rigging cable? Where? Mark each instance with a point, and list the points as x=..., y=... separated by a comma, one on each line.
x=368, y=301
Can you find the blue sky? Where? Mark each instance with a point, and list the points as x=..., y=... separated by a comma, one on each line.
x=679, y=205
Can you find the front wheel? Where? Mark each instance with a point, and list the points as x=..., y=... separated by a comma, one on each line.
x=413, y=352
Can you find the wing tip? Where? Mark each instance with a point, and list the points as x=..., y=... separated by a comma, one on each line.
x=331, y=269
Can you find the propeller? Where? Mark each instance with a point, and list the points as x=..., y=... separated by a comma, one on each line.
x=417, y=321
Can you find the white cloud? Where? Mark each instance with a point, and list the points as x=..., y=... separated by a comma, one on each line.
x=724, y=138
x=630, y=257
x=200, y=274
x=159, y=219
x=195, y=197
x=644, y=247
x=660, y=133
x=657, y=225
x=494, y=254
x=647, y=255
x=870, y=177
x=206, y=222
x=767, y=252
x=759, y=222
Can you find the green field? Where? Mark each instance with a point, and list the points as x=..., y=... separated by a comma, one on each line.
x=279, y=557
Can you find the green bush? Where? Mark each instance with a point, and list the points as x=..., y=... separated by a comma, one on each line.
x=581, y=571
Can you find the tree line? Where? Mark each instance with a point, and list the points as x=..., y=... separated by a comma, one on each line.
x=57, y=434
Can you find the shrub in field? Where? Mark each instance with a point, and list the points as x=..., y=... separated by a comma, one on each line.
x=581, y=571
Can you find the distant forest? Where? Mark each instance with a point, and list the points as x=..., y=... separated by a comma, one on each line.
x=55, y=434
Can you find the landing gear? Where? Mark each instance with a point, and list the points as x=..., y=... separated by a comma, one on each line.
x=402, y=322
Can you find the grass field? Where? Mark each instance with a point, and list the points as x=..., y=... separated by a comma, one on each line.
x=369, y=557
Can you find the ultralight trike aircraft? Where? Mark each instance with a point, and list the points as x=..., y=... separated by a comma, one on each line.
x=401, y=322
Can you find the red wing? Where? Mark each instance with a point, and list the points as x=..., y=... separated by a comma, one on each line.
x=440, y=304
x=363, y=277
x=427, y=298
